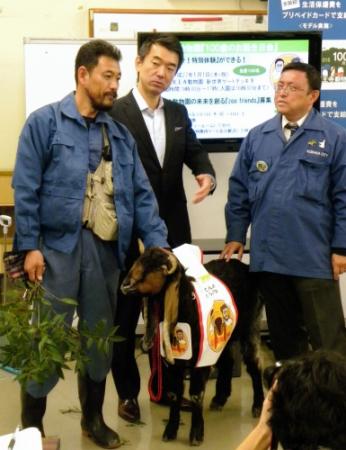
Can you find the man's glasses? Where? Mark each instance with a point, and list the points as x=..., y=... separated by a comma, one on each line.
x=287, y=89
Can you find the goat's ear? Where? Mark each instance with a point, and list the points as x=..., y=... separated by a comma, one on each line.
x=171, y=305
x=171, y=265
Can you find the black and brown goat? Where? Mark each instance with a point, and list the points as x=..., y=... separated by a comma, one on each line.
x=158, y=275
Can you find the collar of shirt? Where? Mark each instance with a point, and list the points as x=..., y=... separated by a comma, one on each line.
x=155, y=123
x=142, y=104
x=299, y=122
x=285, y=121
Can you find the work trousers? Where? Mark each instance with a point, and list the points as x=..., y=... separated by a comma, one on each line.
x=89, y=275
x=302, y=314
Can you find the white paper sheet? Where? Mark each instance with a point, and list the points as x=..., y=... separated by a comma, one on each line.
x=28, y=439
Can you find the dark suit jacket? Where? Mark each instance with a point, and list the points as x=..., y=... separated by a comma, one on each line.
x=182, y=147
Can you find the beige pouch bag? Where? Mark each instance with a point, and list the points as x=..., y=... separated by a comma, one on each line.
x=99, y=213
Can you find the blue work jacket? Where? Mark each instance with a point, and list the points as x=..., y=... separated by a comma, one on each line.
x=293, y=194
x=50, y=181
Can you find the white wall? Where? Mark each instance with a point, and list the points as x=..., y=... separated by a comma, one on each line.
x=207, y=217
x=59, y=19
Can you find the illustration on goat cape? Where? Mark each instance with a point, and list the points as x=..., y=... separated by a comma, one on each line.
x=216, y=308
x=181, y=344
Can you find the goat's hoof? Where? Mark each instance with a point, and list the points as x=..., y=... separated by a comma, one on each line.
x=196, y=437
x=196, y=441
x=169, y=435
x=215, y=406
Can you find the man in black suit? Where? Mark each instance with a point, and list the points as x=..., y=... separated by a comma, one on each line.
x=166, y=141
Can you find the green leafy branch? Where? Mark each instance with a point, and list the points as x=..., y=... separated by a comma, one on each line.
x=38, y=342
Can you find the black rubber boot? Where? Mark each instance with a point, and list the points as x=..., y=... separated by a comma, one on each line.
x=91, y=396
x=33, y=410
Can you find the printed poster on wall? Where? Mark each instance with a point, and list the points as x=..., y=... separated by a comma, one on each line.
x=328, y=17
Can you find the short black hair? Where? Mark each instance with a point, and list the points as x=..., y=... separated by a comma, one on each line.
x=169, y=41
x=309, y=402
x=88, y=55
x=312, y=74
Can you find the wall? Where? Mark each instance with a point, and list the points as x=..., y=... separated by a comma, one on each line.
x=58, y=19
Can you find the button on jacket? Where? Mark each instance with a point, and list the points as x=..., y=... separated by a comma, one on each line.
x=50, y=180
x=293, y=194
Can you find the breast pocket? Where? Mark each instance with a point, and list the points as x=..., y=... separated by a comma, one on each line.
x=258, y=174
x=64, y=163
x=62, y=146
x=123, y=182
x=313, y=180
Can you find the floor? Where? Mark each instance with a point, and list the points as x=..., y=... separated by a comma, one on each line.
x=224, y=429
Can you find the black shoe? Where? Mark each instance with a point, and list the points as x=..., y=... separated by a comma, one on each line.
x=91, y=395
x=128, y=409
x=100, y=433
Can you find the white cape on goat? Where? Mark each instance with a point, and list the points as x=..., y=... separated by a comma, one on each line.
x=216, y=308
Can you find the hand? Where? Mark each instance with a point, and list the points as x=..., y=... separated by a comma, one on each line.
x=266, y=407
x=205, y=185
x=260, y=437
x=231, y=248
x=34, y=265
x=338, y=265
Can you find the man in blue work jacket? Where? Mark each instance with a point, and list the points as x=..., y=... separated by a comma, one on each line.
x=289, y=183
x=62, y=146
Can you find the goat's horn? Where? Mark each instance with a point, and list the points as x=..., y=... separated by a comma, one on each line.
x=141, y=247
x=174, y=263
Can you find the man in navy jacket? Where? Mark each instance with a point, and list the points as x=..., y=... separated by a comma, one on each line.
x=59, y=145
x=291, y=188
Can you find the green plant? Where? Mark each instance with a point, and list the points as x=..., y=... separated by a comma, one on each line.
x=38, y=342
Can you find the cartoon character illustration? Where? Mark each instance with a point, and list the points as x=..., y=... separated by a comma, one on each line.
x=278, y=66
x=179, y=342
x=220, y=325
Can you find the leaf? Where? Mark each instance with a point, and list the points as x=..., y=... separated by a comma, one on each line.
x=69, y=301
x=42, y=343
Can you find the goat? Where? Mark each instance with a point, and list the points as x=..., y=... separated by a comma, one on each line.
x=158, y=273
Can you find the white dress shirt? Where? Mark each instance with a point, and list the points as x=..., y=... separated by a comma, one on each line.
x=155, y=122
x=286, y=131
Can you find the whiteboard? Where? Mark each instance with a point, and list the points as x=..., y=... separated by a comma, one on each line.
x=113, y=23
x=49, y=69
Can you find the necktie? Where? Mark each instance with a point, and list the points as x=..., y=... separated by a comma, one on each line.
x=293, y=127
